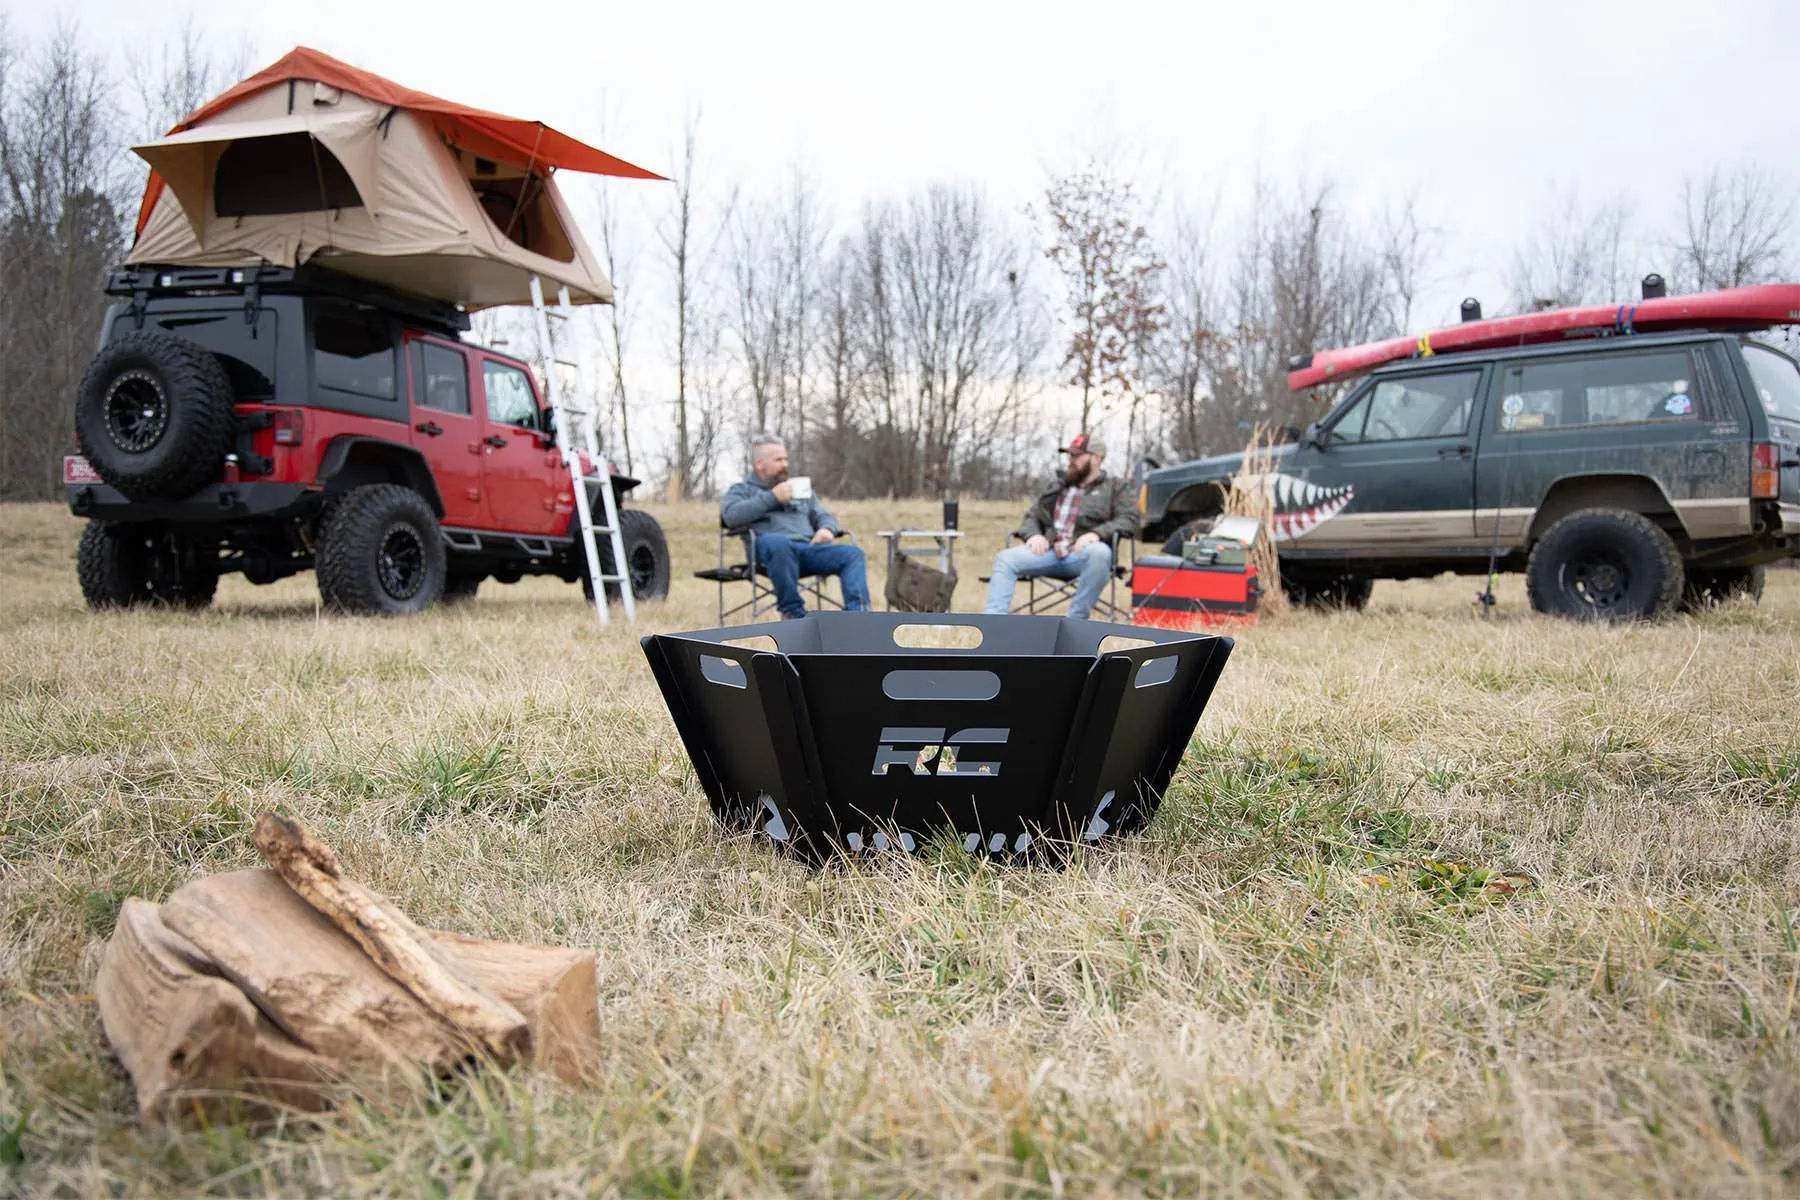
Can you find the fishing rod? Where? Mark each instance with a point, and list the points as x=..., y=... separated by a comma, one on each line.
x=1487, y=596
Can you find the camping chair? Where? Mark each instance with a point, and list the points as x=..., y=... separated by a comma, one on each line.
x=1045, y=592
x=762, y=595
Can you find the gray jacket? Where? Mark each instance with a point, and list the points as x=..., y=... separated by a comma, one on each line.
x=751, y=504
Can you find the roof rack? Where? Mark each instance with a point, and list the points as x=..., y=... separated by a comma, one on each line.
x=150, y=279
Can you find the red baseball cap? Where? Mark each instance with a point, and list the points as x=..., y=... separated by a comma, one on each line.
x=1085, y=443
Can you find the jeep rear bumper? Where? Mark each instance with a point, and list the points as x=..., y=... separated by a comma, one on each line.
x=211, y=505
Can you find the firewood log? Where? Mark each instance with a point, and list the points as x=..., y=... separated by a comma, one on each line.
x=398, y=946
x=188, y=1037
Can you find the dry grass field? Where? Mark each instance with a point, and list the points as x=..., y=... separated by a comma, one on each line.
x=1308, y=976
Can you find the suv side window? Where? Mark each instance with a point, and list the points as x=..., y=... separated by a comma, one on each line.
x=1613, y=390
x=510, y=399
x=440, y=378
x=353, y=350
x=1412, y=406
x=1777, y=381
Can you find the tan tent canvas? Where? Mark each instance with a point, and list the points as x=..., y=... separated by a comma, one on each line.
x=313, y=161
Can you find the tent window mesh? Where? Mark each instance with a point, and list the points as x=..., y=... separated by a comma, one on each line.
x=285, y=173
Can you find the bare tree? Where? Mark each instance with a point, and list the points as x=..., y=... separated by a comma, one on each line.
x=1100, y=245
x=1184, y=353
x=759, y=323
x=803, y=235
x=174, y=80
x=1406, y=246
x=677, y=240
x=709, y=390
x=1027, y=322
x=837, y=315
x=878, y=355
x=1732, y=234
x=617, y=320
x=1301, y=279
x=60, y=229
x=1579, y=256
x=954, y=264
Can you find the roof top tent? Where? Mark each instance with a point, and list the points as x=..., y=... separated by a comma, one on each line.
x=314, y=161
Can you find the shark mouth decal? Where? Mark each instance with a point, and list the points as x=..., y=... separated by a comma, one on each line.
x=1298, y=507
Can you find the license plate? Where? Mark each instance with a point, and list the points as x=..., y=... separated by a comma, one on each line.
x=76, y=469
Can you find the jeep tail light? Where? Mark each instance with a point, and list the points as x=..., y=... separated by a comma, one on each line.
x=1765, y=471
x=290, y=427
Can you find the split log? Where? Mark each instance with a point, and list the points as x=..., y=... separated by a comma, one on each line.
x=187, y=1036
x=309, y=978
x=553, y=989
x=319, y=987
x=395, y=944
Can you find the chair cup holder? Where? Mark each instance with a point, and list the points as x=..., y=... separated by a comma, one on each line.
x=1011, y=735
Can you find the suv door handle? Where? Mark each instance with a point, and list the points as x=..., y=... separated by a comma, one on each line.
x=1456, y=451
x=429, y=428
x=494, y=440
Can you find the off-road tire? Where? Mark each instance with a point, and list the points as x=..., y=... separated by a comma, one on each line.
x=124, y=566
x=110, y=565
x=646, y=553
x=1706, y=586
x=154, y=416
x=381, y=552
x=1604, y=564
x=1346, y=590
x=460, y=587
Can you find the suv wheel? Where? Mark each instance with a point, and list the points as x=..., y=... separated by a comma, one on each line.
x=1716, y=585
x=1606, y=564
x=154, y=416
x=381, y=552
x=646, y=557
x=123, y=566
x=1327, y=590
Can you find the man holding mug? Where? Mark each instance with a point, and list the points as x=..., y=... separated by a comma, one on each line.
x=1069, y=532
x=795, y=535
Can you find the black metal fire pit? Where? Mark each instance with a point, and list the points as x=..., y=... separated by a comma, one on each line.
x=842, y=738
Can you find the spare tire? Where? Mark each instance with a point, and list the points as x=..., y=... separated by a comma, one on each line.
x=154, y=416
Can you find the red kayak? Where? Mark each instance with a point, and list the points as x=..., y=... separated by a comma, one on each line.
x=1741, y=310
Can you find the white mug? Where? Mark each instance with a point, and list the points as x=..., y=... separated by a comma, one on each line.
x=800, y=487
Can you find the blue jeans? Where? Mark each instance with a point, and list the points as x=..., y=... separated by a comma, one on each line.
x=787, y=560
x=1092, y=566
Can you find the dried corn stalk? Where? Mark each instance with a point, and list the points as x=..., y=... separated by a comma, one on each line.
x=1251, y=493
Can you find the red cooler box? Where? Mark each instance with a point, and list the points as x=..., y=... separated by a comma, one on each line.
x=1170, y=592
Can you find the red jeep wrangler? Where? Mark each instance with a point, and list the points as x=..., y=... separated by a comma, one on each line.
x=267, y=420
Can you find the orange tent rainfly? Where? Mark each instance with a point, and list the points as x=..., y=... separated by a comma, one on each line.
x=313, y=160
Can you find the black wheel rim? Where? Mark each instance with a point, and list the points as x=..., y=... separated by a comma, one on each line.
x=400, y=563
x=137, y=412
x=642, y=569
x=1599, y=579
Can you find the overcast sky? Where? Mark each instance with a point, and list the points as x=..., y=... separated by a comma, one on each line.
x=1480, y=111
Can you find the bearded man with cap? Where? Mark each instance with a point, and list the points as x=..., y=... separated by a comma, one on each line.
x=1069, y=531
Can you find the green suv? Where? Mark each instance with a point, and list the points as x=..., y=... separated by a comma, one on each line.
x=1625, y=476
